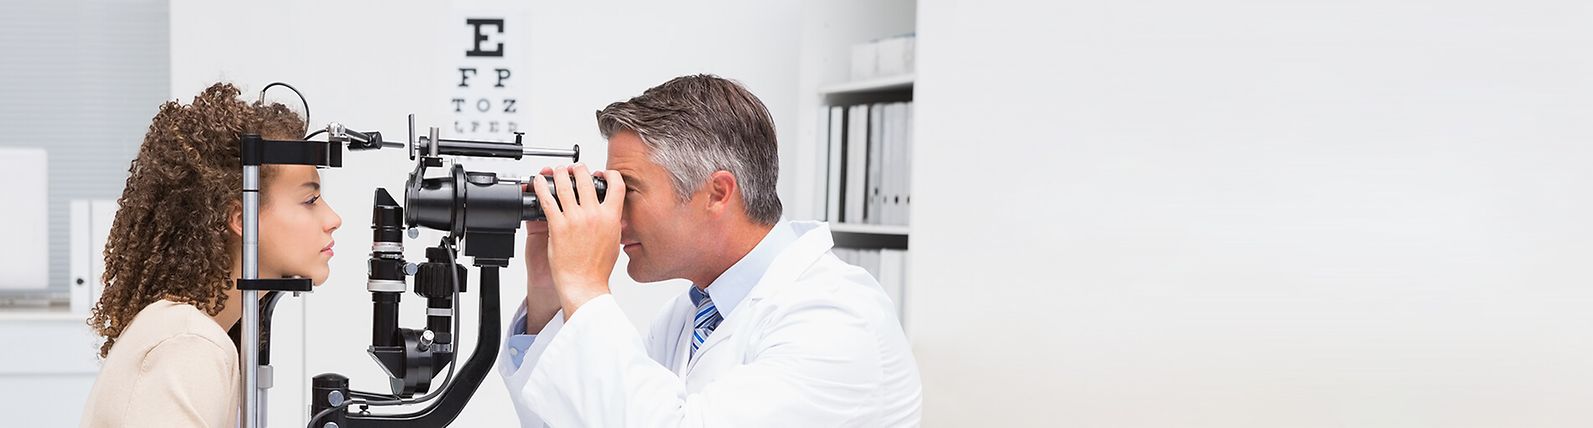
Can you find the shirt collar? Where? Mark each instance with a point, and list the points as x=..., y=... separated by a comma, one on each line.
x=732, y=286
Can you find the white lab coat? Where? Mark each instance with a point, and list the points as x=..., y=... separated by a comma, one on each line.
x=816, y=343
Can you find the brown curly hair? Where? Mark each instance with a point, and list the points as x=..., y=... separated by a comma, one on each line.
x=171, y=238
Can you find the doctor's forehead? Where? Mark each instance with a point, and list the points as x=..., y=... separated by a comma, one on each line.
x=630, y=156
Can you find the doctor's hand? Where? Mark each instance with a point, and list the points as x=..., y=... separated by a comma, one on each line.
x=583, y=234
x=541, y=299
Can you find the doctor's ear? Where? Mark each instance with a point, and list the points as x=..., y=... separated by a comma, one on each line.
x=721, y=188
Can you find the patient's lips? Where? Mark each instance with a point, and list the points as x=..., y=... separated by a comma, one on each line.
x=328, y=249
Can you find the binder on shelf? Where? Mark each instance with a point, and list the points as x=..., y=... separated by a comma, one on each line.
x=79, y=259
x=886, y=164
x=903, y=176
x=869, y=260
x=907, y=165
x=876, y=145
x=905, y=126
x=847, y=255
x=832, y=191
x=821, y=159
x=856, y=163
x=887, y=266
x=866, y=173
x=892, y=276
x=90, y=228
x=895, y=180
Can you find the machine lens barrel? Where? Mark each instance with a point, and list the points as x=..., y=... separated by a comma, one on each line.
x=532, y=210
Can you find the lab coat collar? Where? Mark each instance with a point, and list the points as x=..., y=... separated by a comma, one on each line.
x=813, y=240
x=732, y=286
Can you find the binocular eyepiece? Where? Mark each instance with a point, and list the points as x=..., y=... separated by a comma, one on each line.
x=480, y=207
x=476, y=201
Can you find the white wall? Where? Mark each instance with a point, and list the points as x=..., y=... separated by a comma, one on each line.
x=58, y=55
x=582, y=56
x=1235, y=213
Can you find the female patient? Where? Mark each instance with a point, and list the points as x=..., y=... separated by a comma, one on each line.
x=174, y=250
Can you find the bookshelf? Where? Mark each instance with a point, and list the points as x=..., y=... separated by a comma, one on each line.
x=871, y=229
x=829, y=29
x=878, y=84
x=878, y=242
x=869, y=236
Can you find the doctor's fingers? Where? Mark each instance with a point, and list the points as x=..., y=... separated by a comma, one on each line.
x=566, y=192
x=585, y=192
x=545, y=199
x=537, y=226
x=550, y=208
x=614, y=196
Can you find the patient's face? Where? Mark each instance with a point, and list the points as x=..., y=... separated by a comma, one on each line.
x=296, y=225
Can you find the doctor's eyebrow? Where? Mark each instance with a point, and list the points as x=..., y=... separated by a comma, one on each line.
x=632, y=183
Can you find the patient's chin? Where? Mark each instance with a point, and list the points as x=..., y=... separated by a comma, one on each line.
x=317, y=276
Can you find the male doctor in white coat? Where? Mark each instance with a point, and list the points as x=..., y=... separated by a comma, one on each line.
x=775, y=330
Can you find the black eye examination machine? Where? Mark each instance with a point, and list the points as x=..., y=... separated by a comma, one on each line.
x=479, y=211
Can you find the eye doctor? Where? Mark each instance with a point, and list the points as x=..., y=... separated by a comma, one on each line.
x=774, y=331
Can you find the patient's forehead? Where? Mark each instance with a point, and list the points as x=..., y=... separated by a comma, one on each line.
x=299, y=172
x=294, y=178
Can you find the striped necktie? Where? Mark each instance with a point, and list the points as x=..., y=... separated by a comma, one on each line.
x=706, y=320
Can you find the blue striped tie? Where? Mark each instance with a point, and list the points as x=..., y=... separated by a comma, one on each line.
x=706, y=320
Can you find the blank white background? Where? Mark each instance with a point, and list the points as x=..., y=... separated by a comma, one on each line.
x=1254, y=213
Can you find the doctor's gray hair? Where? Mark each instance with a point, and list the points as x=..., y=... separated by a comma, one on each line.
x=696, y=125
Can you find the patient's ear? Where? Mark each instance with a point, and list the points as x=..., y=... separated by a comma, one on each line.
x=235, y=221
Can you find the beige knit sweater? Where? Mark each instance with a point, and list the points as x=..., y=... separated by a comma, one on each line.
x=172, y=366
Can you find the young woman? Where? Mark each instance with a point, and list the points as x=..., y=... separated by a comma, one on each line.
x=174, y=250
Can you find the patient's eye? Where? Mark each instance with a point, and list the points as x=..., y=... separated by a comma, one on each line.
x=312, y=199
